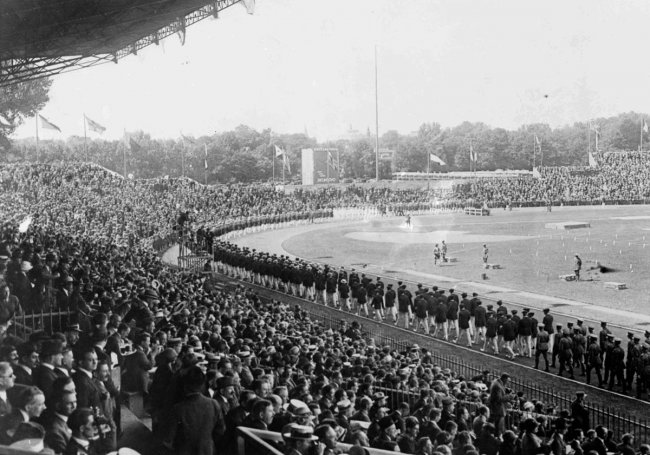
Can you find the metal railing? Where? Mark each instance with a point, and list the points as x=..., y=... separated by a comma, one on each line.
x=50, y=321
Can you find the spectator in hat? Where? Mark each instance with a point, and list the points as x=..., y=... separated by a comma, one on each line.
x=386, y=439
x=300, y=440
x=196, y=422
x=328, y=438
x=47, y=371
x=556, y=441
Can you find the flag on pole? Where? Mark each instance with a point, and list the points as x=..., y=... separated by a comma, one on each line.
x=249, y=5
x=45, y=123
x=645, y=126
x=205, y=161
x=94, y=126
x=473, y=156
x=287, y=164
x=594, y=127
x=436, y=159
x=537, y=141
x=330, y=161
x=592, y=160
x=278, y=151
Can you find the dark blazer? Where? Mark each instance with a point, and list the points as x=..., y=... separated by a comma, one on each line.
x=135, y=377
x=57, y=432
x=8, y=424
x=5, y=407
x=44, y=377
x=22, y=376
x=88, y=393
x=196, y=422
x=74, y=448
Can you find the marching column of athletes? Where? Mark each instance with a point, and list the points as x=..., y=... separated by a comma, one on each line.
x=452, y=317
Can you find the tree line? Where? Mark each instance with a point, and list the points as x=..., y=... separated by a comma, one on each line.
x=246, y=155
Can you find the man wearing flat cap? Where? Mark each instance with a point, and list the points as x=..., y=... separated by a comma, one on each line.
x=579, y=412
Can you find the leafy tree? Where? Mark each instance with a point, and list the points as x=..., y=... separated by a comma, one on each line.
x=20, y=101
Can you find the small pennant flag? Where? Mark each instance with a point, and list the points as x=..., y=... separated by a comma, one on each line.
x=645, y=126
x=436, y=159
x=205, y=161
x=537, y=140
x=286, y=164
x=278, y=151
x=473, y=156
x=249, y=5
x=134, y=146
x=45, y=123
x=94, y=126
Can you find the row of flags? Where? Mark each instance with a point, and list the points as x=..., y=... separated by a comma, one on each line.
x=88, y=122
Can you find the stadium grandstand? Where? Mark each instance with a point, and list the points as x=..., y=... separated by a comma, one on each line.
x=234, y=350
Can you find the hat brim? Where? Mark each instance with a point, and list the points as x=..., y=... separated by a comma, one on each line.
x=289, y=436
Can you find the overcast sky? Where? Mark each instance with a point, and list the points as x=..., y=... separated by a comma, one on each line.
x=309, y=64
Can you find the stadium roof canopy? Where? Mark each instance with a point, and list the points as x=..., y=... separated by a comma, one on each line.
x=41, y=38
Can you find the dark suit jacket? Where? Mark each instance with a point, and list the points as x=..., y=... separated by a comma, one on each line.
x=57, y=432
x=8, y=425
x=22, y=376
x=44, y=377
x=5, y=407
x=74, y=448
x=196, y=422
x=88, y=393
x=135, y=377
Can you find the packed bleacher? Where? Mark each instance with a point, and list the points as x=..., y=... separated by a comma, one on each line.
x=207, y=359
x=620, y=177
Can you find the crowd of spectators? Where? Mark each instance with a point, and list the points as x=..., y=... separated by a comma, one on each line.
x=208, y=359
x=619, y=176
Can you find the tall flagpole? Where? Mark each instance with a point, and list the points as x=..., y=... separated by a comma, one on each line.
x=37, y=144
x=376, y=120
x=338, y=165
x=85, y=139
x=641, y=135
x=126, y=144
